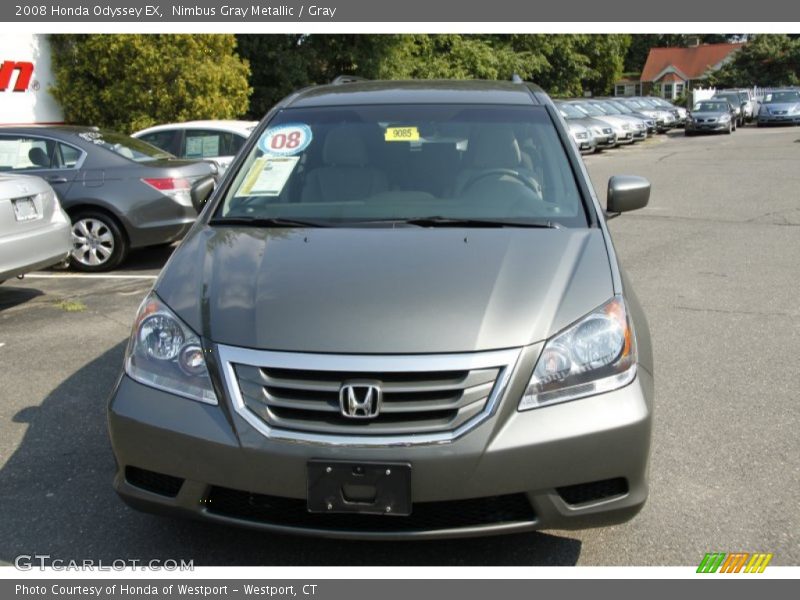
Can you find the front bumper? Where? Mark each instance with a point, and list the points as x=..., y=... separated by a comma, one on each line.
x=716, y=126
x=606, y=141
x=779, y=119
x=586, y=146
x=626, y=137
x=544, y=459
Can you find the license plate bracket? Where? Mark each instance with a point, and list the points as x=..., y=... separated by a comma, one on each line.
x=359, y=487
x=24, y=209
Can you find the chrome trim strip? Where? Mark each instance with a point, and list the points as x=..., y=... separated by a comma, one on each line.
x=506, y=360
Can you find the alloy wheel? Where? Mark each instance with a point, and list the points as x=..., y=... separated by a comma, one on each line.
x=93, y=242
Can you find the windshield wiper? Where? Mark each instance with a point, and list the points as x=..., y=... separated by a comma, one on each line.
x=464, y=222
x=265, y=222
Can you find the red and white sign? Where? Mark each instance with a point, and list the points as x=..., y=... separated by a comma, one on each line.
x=25, y=80
x=24, y=75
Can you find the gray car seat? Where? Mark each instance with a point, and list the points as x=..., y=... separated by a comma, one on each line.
x=345, y=174
x=38, y=157
x=491, y=147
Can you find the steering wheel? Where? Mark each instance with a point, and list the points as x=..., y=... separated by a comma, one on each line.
x=528, y=182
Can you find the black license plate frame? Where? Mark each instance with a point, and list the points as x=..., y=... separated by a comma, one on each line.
x=330, y=480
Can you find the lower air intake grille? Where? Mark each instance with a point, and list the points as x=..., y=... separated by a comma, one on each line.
x=426, y=516
x=591, y=492
x=158, y=483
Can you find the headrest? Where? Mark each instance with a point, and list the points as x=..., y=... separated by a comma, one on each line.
x=494, y=147
x=344, y=148
x=38, y=157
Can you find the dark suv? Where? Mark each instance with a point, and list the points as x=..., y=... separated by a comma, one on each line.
x=399, y=315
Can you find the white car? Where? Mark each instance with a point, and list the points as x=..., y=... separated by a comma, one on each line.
x=215, y=141
x=35, y=232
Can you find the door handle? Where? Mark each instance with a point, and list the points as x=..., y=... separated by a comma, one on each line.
x=57, y=179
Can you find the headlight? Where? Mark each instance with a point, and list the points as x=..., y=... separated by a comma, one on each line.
x=581, y=135
x=165, y=354
x=725, y=118
x=626, y=126
x=595, y=355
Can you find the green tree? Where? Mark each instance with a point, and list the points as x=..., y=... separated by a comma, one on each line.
x=768, y=60
x=128, y=82
x=561, y=64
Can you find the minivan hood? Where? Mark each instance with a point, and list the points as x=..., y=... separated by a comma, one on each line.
x=392, y=291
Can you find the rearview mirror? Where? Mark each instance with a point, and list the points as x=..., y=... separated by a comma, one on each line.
x=201, y=192
x=627, y=192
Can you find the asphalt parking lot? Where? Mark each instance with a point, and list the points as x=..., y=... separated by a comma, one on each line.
x=715, y=260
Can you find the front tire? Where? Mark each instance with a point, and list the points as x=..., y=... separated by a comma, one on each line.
x=98, y=242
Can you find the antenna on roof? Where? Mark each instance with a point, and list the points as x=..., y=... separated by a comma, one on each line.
x=515, y=78
x=347, y=79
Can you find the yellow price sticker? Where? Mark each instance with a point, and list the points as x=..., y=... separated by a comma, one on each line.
x=401, y=134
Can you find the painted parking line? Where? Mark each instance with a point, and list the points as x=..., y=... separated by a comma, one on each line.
x=88, y=276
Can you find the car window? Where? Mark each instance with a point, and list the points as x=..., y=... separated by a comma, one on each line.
x=374, y=163
x=123, y=145
x=68, y=156
x=168, y=140
x=237, y=142
x=711, y=107
x=202, y=143
x=23, y=153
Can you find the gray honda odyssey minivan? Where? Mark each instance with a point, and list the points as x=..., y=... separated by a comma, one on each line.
x=399, y=315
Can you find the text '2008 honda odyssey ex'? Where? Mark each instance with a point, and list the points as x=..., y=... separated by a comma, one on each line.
x=399, y=315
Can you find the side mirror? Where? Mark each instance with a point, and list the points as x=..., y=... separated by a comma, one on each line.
x=627, y=192
x=201, y=192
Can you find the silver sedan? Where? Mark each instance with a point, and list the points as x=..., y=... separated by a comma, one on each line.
x=34, y=230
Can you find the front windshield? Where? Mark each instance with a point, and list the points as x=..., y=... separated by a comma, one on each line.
x=622, y=108
x=608, y=108
x=782, y=96
x=343, y=165
x=710, y=107
x=590, y=110
x=732, y=98
x=570, y=112
x=126, y=146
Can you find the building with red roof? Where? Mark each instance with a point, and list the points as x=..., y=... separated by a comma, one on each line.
x=670, y=72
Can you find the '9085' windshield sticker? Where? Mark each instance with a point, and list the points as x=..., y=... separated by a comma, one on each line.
x=268, y=176
x=401, y=134
x=285, y=140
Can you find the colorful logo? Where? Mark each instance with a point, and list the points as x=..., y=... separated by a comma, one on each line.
x=23, y=70
x=735, y=562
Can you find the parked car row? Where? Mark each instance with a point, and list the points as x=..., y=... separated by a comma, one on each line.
x=112, y=192
x=599, y=123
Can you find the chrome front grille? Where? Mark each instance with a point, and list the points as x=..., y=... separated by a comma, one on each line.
x=425, y=398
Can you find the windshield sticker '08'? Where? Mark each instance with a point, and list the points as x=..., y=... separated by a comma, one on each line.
x=285, y=140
